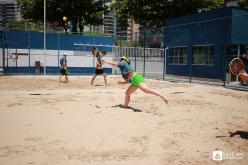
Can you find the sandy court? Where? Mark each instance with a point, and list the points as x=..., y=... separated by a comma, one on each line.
x=44, y=122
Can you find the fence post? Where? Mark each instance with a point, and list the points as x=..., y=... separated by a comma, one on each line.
x=135, y=54
x=3, y=32
x=237, y=77
x=93, y=63
x=29, y=58
x=120, y=48
x=164, y=66
x=190, y=55
x=7, y=51
x=190, y=65
x=16, y=56
x=224, y=66
x=58, y=51
x=144, y=67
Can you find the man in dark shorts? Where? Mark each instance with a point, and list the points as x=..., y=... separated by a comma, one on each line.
x=63, y=68
x=99, y=69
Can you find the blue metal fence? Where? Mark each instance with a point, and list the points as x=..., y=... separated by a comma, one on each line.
x=196, y=48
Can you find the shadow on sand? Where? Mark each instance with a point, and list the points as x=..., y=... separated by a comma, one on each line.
x=242, y=134
x=124, y=107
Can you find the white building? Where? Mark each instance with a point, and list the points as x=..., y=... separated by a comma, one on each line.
x=109, y=23
x=9, y=11
x=229, y=3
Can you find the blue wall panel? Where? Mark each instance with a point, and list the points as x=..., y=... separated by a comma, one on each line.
x=216, y=28
x=35, y=40
x=180, y=70
x=53, y=70
x=239, y=34
x=178, y=36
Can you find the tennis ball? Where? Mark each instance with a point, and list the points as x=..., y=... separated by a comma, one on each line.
x=65, y=18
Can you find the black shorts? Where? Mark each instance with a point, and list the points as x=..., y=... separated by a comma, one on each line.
x=63, y=71
x=99, y=71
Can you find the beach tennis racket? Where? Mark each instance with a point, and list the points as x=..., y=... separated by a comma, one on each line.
x=236, y=66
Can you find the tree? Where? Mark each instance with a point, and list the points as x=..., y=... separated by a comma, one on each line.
x=153, y=13
x=243, y=3
x=77, y=11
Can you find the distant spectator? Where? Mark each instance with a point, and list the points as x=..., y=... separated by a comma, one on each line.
x=63, y=68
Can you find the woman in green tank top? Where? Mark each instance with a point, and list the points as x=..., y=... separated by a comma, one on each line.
x=136, y=80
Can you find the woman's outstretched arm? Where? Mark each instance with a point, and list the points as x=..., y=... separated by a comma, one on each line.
x=111, y=63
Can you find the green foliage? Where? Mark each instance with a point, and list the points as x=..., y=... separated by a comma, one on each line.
x=153, y=13
x=94, y=34
x=83, y=11
x=243, y=3
x=24, y=25
x=125, y=43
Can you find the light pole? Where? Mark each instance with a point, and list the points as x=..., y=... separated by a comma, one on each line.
x=44, y=37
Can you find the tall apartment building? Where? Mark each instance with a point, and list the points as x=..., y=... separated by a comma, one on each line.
x=108, y=27
x=112, y=26
x=109, y=23
x=132, y=30
x=9, y=11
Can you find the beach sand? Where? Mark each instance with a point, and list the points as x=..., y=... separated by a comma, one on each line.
x=44, y=122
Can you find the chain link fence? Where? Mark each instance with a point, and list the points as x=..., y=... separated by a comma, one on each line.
x=195, y=52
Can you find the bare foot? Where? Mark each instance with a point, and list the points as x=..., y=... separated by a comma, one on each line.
x=124, y=106
x=165, y=99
